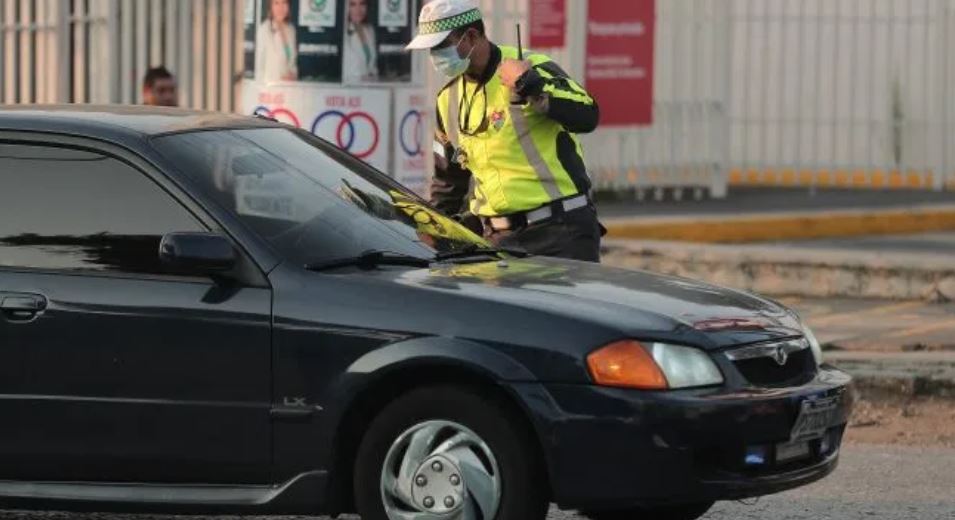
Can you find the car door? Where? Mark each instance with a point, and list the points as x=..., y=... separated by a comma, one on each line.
x=112, y=367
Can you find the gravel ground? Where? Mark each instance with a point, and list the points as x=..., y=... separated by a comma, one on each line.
x=872, y=482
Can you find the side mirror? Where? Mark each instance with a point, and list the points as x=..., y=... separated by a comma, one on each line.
x=205, y=253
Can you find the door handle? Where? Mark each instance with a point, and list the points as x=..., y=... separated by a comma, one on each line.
x=22, y=307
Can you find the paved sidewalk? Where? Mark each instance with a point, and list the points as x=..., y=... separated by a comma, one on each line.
x=856, y=325
x=922, y=243
x=892, y=349
x=794, y=270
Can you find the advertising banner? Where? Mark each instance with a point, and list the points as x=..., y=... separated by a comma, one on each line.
x=548, y=21
x=412, y=138
x=298, y=40
x=356, y=120
x=620, y=39
x=376, y=32
x=329, y=41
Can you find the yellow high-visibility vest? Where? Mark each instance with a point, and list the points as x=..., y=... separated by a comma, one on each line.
x=512, y=155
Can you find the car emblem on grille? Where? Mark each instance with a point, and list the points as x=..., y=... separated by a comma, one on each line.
x=780, y=356
x=777, y=351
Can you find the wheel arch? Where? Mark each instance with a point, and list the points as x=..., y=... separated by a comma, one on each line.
x=386, y=374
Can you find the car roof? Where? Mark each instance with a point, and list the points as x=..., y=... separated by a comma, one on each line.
x=119, y=122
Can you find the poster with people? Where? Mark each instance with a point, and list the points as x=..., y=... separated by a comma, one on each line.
x=298, y=40
x=329, y=41
x=376, y=32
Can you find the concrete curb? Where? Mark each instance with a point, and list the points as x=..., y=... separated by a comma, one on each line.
x=785, y=226
x=789, y=271
x=888, y=376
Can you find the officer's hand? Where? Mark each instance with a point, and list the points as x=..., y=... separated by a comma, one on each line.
x=511, y=70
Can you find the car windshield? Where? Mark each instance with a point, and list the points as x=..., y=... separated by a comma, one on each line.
x=310, y=200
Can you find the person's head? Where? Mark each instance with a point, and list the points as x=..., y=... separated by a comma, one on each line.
x=469, y=46
x=279, y=10
x=357, y=11
x=159, y=88
x=453, y=31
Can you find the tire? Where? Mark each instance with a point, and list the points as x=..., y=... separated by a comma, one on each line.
x=677, y=512
x=489, y=440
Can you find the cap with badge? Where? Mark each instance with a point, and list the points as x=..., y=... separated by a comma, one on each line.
x=439, y=18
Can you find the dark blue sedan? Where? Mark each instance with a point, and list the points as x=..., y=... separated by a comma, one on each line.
x=210, y=313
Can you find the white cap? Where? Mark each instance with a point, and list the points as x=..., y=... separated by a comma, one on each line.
x=439, y=18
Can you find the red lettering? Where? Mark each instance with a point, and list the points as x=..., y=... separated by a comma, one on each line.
x=335, y=101
x=354, y=101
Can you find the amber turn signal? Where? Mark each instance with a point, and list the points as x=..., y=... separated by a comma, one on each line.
x=626, y=364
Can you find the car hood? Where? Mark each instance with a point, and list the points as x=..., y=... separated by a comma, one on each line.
x=638, y=304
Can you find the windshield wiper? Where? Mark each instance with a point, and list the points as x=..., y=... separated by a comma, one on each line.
x=370, y=260
x=472, y=250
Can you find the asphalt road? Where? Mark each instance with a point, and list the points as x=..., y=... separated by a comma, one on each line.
x=872, y=482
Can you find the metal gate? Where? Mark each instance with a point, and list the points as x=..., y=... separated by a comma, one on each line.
x=97, y=51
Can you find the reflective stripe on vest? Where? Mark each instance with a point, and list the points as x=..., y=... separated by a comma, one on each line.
x=513, y=157
x=521, y=127
x=533, y=154
x=453, y=118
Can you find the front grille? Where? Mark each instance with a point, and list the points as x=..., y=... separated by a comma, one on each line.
x=799, y=369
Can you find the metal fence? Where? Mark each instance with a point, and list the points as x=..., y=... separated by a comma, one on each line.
x=851, y=93
x=97, y=51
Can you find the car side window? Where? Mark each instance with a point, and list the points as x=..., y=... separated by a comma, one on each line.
x=77, y=210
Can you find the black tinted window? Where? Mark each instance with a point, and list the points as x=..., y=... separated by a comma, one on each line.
x=70, y=209
x=311, y=201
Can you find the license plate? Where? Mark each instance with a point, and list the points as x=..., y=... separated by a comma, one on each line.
x=790, y=451
x=815, y=417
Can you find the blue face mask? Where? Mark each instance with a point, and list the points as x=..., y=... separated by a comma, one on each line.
x=447, y=61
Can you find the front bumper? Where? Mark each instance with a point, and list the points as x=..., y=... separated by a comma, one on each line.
x=619, y=448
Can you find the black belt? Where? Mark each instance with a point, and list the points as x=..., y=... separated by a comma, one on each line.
x=535, y=216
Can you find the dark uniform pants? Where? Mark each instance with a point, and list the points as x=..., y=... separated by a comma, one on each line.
x=574, y=235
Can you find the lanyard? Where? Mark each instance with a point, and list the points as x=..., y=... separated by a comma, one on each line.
x=465, y=106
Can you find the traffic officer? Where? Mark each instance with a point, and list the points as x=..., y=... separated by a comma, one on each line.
x=508, y=160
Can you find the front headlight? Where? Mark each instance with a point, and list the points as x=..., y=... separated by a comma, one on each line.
x=813, y=344
x=654, y=366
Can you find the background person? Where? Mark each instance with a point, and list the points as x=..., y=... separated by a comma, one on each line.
x=159, y=88
x=276, y=48
x=359, y=51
